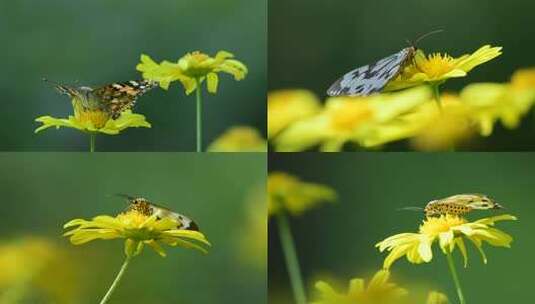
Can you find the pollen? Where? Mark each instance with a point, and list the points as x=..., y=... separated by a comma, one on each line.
x=436, y=226
x=350, y=115
x=436, y=64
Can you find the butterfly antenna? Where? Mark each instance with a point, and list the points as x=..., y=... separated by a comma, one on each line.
x=427, y=35
x=59, y=87
x=125, y=196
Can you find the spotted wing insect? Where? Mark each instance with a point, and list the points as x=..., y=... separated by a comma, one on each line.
x=460, y=205
x=114, y=98
x=373, y=78
x=144, y=206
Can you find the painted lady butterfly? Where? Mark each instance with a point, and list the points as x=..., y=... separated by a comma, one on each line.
x=114, y=98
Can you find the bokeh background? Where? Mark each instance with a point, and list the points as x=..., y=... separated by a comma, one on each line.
x=225, y=195
x=312, y=43
x=336, y=241
x=99, y=42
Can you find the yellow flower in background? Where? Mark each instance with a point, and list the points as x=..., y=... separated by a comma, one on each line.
x=435, y=297
x=94, y=122
x=191, y=69
x=253, y=245
x=450, y=232
x=524, y=79
x=138, y=230
x=491, y=102
x=441, y=130
x=239, y=139
x=288, y=193
x=436, y=68
x=288, y=106
x=35, y=266
x=368, y=121
x=378, y=291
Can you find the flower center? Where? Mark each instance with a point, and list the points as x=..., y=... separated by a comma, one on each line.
x=436, y=64
x=437, y=225
x=97, y=119
x=196, y=64
x=350, y=115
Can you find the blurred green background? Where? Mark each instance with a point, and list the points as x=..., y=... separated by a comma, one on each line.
x=337, y=241
x=43, y=191
x=100, y=42
x=311, y=43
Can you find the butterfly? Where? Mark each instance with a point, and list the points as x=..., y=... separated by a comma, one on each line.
x=374, y=77
x=113, y=98
x=145, y=207
x=459, y=205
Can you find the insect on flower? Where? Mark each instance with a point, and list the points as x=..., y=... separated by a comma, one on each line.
x=458, y=205
x=145, y=207
x=372, y=78
x=113, y=98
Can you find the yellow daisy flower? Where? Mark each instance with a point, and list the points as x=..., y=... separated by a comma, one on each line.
x=368, y=121
x=435, y=297
x=288, y=106
x=378, y=291
x=94, y=122
x=36, y=266
x=192, y=69
x=138, y=230
x=491, y=102
x=239, y=139
x=450, y=232
x=441, y=130
x=288, y=193
x=436, y=68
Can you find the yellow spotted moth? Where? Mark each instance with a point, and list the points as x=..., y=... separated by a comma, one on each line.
x=145, y=207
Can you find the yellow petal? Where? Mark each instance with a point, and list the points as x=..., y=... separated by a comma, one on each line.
x=211, y=82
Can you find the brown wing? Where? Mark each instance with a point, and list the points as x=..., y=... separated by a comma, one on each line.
x=121, y=96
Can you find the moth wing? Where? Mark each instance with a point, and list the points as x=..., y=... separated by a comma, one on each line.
x=370, y=78
x=121, y=96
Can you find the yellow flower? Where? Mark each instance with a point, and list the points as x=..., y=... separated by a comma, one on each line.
x=524, y=79
x=253, y=245
x=369, y=121
x=435, y=297
x=450, y=232
x=94, y=121
x=288, y=106
x=192, y=68
x=239, y=139
x=436, y=68
x=36, y=266
x=440, y=130
x=491, y=102
x=379, y=291
x=288, y=193
x=138, y=230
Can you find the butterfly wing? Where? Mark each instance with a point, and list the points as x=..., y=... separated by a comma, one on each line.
x=371, y=78
x=121, y=96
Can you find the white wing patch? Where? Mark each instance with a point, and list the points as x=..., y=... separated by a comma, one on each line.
x=371, y=78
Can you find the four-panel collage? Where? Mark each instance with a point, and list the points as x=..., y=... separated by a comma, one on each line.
x=267, y=152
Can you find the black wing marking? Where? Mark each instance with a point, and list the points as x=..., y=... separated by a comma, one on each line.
x=121, y=96
x=371, y=78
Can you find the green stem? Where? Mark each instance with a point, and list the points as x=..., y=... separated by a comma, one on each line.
x=436, y=93
x=292, y=263
x=116, y=281
x=92, y=139
x=199, y=114
x=455, y=276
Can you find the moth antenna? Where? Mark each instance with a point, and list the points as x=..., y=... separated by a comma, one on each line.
x=126, y=196
x=411, y=209
x=427, y=35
